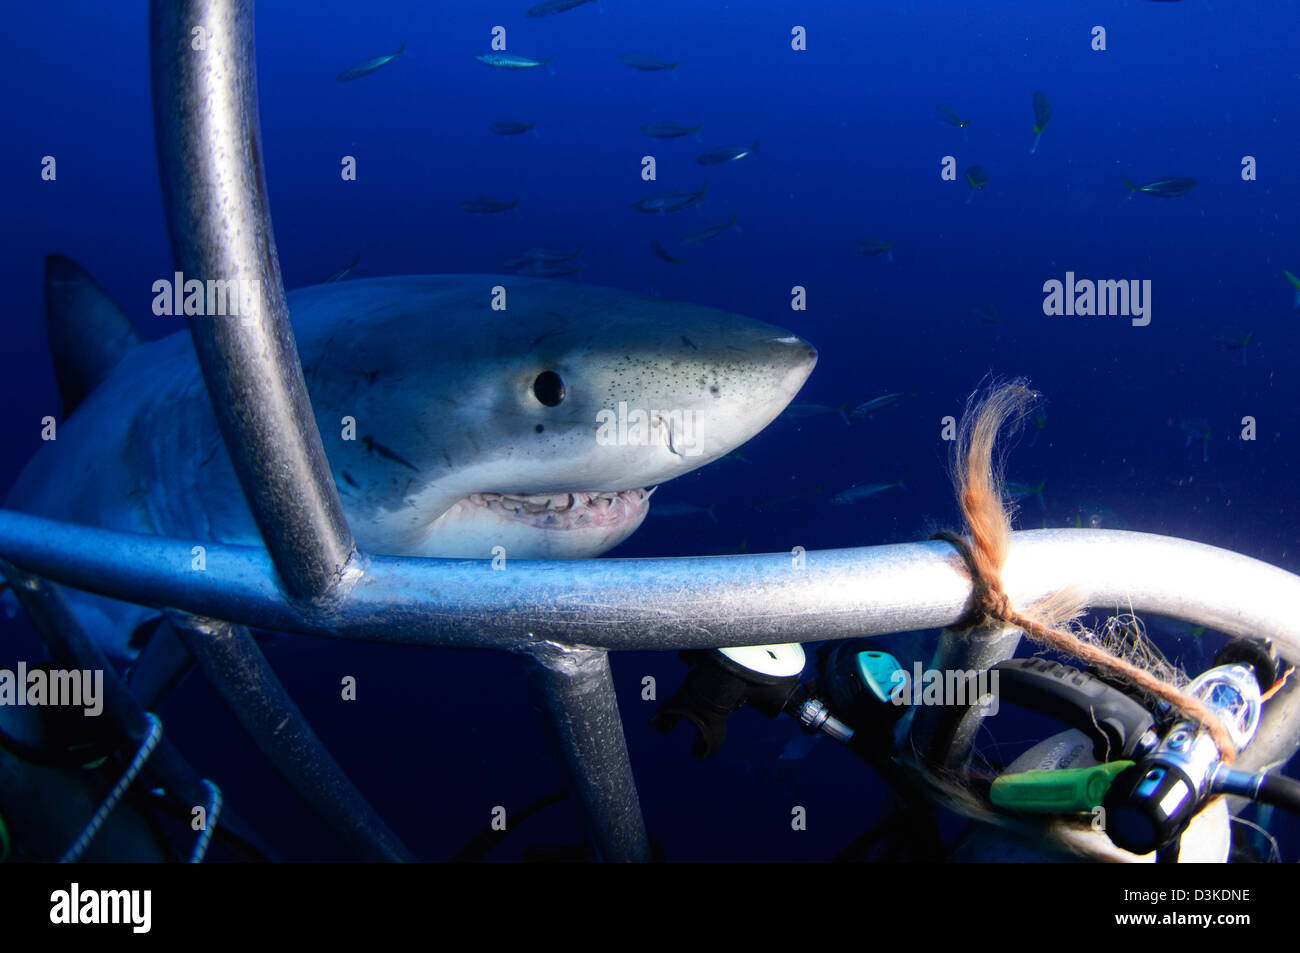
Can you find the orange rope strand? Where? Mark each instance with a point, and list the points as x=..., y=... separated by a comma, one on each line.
x=979, y=491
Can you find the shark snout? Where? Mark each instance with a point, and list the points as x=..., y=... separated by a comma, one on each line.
x=781, y=365
x=798, y=356
x=748, y=394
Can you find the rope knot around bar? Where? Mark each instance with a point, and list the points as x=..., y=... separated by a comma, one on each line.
x=990, y=603
x=986, y=601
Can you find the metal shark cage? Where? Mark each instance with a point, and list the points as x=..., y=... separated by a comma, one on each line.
x=564, y=617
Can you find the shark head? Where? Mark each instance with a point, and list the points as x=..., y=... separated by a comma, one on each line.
x=527, y=414
x=459, y=413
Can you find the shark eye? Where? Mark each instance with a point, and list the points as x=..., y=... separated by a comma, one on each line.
x=548, y=388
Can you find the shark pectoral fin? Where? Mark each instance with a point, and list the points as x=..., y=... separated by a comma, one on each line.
x=88, y=333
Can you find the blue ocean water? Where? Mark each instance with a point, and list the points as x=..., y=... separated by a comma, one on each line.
x=851, y=147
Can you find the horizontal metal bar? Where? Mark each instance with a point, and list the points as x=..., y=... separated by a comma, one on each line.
x=630, y=604
x=689, y=603
x=208, y=139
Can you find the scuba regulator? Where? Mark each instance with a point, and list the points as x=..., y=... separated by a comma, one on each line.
x=1150, y=804
x=1161, y=772
x=855, y=681
x=1154, y=771
x=722, y=681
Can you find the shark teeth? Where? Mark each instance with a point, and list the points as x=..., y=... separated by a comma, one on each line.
x=532, y=505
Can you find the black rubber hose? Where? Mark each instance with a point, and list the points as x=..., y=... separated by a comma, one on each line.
x=1280, y=791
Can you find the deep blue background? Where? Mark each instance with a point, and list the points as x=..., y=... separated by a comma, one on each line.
x=850, y=148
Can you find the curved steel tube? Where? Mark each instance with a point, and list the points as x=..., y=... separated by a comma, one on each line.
x=664, y=604
x=208, y=138
x=209, y=157
x=681, y=603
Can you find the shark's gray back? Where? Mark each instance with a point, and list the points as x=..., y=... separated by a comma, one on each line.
x=139, y=432
x=406, y=357
x=143, y=452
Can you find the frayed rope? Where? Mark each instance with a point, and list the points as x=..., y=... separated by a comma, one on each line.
x=985, y=511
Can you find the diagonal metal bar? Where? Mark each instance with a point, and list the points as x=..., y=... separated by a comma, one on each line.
x=236, y=669
x=208, y=139
x=67, y=642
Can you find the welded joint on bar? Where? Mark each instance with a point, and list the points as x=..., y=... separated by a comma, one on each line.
x=321, y=608
x=561, y=658
x=211, y=629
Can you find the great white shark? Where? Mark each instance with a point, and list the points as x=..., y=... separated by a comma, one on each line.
x=451, y=428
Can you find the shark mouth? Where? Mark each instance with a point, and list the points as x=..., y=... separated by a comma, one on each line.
x=567, y=510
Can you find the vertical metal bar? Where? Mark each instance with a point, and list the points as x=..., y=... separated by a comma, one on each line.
x=208, y=138
x=209, y=157
x=937, y=733
x=576, y=690
x=236, y=669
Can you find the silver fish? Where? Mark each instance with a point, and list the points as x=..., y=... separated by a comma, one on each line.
x=510, y=127
x=509, y=61
x=369, y=66
x=704, y=234
x=345, y=271
x=875, y=246
x=877, y=404
x=667, y=130
x=665, y=254
x=862, y=491
x=670, y=201
x=551, y=7
x=727, y=154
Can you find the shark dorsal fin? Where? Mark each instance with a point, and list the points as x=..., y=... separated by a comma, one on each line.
x=87, y=331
